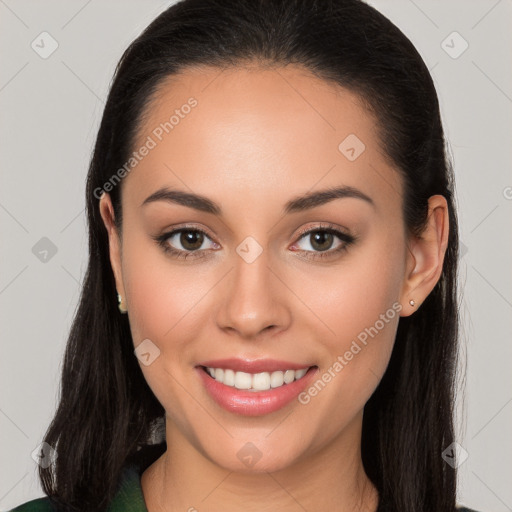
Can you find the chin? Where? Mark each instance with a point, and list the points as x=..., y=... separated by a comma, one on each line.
x=249, y=459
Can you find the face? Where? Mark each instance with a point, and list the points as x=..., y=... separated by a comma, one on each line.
x=259, y=274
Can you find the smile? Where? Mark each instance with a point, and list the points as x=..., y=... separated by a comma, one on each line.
x=254, y=394
x=255, y=381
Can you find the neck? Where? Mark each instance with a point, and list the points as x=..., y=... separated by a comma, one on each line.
x=332, y=478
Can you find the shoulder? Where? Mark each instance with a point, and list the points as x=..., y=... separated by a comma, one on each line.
x=130, y=480
x=37, y=505
x=128, y=498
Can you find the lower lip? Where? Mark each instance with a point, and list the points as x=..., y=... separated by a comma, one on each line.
x=255, y=403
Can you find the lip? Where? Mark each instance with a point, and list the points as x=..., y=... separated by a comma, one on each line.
x=254, y=366
x=254, y=403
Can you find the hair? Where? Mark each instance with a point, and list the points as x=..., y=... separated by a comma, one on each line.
x=107, y=413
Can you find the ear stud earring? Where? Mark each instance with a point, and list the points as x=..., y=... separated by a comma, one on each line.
x=120, y=304
x=411, y=302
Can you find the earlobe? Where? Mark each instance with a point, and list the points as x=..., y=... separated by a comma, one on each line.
x=426, y=256
x=107, y=214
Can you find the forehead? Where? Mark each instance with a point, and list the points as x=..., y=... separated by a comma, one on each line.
x=255, y=133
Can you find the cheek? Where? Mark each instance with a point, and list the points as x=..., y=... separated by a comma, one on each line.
x=167, y=306
x=357, y=304
x=350, y=296
x=164, y=299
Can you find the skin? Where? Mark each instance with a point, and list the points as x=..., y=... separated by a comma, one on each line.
x=257, y=139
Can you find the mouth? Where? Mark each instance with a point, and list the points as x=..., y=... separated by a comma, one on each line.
x=255, y=393
x=254, y=382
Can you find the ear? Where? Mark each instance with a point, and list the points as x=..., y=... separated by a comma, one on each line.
x=107, y=214
x=425, y=256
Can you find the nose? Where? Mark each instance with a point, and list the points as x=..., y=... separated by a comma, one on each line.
x=254, y=299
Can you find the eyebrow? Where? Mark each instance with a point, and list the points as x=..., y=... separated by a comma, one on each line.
x=299, y=204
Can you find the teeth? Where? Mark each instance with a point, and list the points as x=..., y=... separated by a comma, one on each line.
x=289, y=376
x=261, y=381
x=300, y=373
x=242, y=380
x=229, y=377
x=255, y=381
x=276, y=379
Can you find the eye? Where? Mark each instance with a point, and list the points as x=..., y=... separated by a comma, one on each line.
x=189, y=242
x=321, y=239
x=185, y=242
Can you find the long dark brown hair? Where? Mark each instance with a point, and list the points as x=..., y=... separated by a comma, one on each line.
x=107, y=412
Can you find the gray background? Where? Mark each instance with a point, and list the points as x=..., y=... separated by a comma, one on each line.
x=51, y=109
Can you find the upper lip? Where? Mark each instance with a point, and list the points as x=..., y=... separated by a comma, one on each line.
x=254, y=366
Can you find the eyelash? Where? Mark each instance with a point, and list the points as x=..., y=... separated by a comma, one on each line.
x=319, y=255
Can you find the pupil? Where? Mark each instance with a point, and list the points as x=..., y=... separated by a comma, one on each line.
x=323, y=239
x=191, y=239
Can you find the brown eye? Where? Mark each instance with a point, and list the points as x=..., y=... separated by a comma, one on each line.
x=321, y=240
x=186, y=243
x=191, y=240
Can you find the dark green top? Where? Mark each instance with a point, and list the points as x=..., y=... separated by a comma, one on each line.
x=129, y=497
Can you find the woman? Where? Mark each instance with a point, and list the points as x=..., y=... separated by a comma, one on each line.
x=270, y=201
